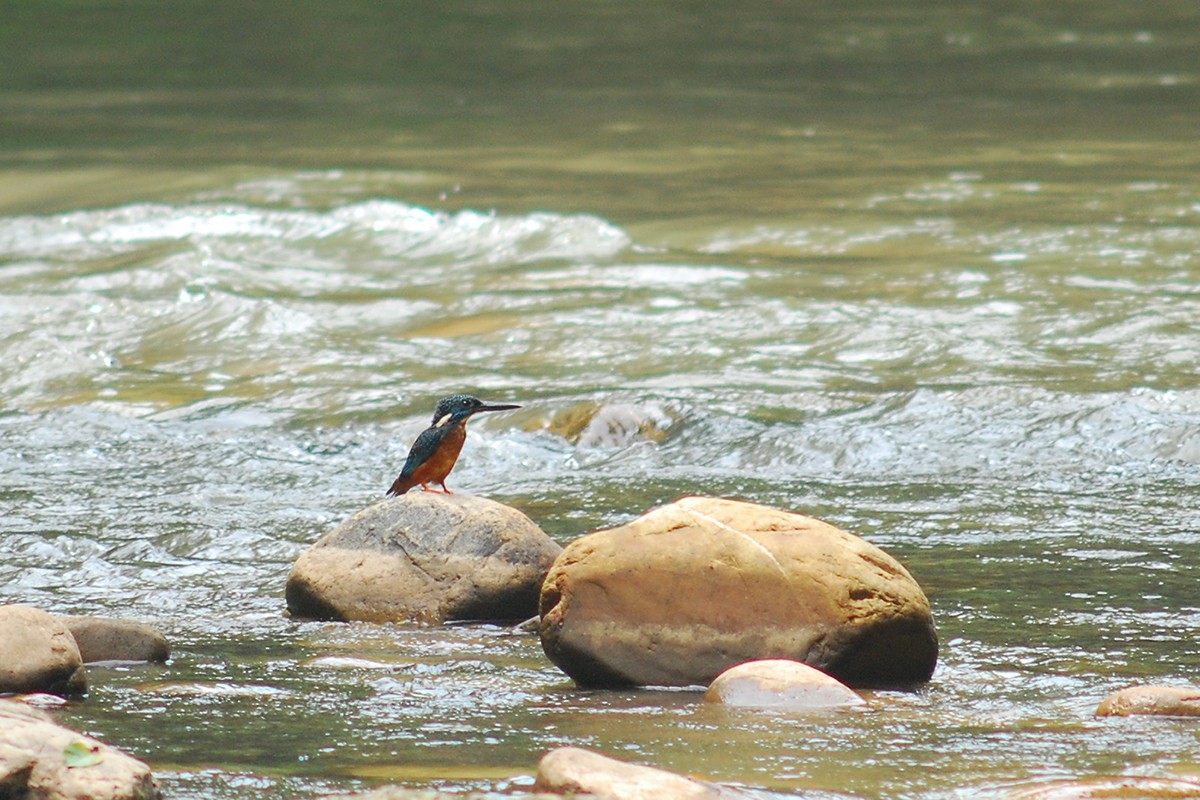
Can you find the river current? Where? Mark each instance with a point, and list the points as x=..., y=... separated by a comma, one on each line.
x=928, y=274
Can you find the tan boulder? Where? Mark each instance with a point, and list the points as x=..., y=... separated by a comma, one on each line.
x=779, y=683
x=1167, y=701
x=574, y=771
x=40, y=759
x=424, y=557
x=38, y=654
x=692, y=588
x=107, y=639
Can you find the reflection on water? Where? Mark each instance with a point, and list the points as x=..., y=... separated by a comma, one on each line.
x=929, y=274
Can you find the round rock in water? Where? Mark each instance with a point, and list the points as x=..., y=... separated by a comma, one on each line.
x=106, y=639
x=38, y=654
x=781, y=684
x=424, y=557
x=690, y=589
x=1165, y=701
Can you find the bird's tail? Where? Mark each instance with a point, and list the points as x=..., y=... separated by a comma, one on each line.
x=401, y=485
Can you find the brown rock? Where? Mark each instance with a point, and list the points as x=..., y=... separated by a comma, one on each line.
x=46, y=761
x=107, y=639
x=424, y=557
x=403, y=793
x=690, y=589
x=1118, y=786
x=573, y=771
x=779, y=683
x=1168, y=701
x=38, y=654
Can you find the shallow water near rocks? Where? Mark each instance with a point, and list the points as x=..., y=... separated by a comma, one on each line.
x=928, y=274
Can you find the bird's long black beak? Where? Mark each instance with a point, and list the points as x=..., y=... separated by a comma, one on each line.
x=497, y=407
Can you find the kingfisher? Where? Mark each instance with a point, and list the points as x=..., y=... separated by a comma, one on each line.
x=434, y=452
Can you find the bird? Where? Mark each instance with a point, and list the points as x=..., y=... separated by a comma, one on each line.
x=436, y=449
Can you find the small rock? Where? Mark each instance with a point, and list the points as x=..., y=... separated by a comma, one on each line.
x=38, y=654
x=40, y=759
x=107, y=639
x=690, y=589
x=424, y=557
x=1117, y=786
x=1167, y=701
x=779, y=683
x=402, y=793
x=574, y=771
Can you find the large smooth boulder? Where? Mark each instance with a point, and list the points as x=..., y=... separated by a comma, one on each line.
x=107, y=639
x=424, y=557
x=1165, y=701
x=40, y=759
x=690, y=589
x=780, y=684
x=38, y=654
x=573, y=771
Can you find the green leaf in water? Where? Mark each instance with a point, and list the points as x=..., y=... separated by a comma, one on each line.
x=81, y=754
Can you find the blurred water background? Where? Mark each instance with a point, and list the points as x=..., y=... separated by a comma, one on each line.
x=926, y=271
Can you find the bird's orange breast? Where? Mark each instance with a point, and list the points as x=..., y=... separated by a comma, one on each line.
x=438, y=465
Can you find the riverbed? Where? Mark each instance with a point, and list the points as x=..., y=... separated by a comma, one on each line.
x=929, y=274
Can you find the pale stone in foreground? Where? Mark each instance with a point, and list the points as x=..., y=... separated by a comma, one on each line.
x=39, y=759
x=1167, y=701
x=575, y=771
x=781, y=684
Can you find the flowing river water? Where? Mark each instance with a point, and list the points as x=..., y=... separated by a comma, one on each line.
x=926, y=271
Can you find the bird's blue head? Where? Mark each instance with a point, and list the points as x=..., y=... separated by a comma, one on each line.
x=459, y=408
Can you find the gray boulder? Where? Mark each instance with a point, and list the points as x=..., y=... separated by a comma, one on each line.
x=38, y=654
x=424, y=557
x=107, y=639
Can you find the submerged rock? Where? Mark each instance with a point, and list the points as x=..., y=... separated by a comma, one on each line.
x=38, y=654
x=782, y=684
x=424, y=557
x=1167, y=701
x=40, y=759
x=593, y=425
x=574, y=771
x=690, y=589
x=107, y=639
